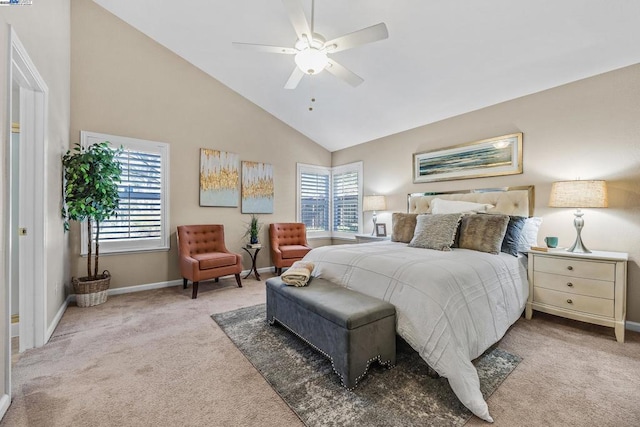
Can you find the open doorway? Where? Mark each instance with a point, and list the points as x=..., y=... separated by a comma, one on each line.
x=14, y=149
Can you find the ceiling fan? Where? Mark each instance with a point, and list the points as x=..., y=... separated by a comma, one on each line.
x=311, y=50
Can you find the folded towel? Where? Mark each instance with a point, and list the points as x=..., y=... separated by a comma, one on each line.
x=298, y=274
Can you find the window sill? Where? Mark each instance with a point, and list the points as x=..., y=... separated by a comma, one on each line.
x=129, y=251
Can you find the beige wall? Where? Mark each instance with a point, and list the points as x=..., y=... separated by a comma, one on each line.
x=123, y=83
x=588, y=130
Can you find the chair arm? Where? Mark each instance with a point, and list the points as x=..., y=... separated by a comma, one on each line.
x=238, y=258
x=276, y=256
x=189, y=267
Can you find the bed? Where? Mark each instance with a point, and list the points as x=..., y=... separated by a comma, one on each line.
x=451, y=305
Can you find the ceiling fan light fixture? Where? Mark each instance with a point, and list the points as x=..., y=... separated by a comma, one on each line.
x=311, y=49
x=311, y=60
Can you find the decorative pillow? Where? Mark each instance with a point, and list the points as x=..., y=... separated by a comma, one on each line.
x=403, y=226
x=442, y=206
x=483, y=233
x=512, y=236
x=529, y=235
x=435, y=231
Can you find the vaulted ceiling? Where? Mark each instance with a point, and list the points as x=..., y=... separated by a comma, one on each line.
x=442, y=58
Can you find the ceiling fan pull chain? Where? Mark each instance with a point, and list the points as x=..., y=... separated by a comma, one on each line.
x=311, y=91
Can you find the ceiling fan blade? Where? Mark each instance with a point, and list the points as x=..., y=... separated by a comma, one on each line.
x=298, y=18
x=265, y=48
x=357, y=38
x=294, y=78
x=344, y=74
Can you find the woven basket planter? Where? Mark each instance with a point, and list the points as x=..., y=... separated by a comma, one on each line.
x=91, y=292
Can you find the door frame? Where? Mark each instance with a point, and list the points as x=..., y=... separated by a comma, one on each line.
x=33, y=122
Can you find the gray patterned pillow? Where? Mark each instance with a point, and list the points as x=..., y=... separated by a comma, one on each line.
x=403, y=225
x=483, y=232
x=435, y=231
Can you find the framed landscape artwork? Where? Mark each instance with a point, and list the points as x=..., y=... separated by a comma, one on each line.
x=497, y=156
x=257, y=187
x=219, y=178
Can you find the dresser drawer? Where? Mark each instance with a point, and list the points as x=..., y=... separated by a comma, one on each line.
x=574, y=285
x=585, y=304
x=576, y=268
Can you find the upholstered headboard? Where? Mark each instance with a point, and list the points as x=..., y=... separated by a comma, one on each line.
x=507, y=200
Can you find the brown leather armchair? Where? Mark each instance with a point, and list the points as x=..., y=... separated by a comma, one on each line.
x=203, y=255
x=288, y=244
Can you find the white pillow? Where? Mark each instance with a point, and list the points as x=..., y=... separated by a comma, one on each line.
x=529, y=236
x=442, y=206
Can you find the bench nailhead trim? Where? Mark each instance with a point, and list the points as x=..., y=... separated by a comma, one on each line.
x=377, y=358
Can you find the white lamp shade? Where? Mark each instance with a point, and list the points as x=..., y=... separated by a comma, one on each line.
x=579, y=194
x=374, y=203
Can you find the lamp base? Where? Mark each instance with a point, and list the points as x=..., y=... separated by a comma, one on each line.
x=375, y=221
x=578, y=246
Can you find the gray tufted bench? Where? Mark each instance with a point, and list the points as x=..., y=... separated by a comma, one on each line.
x=350, y=328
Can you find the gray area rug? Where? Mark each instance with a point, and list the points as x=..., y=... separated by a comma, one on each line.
x=402, y=396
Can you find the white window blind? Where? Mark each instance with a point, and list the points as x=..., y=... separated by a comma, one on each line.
x=141, y=222
x=139, y=214
x=346, y=194
x=314, y=198
x=329, y=199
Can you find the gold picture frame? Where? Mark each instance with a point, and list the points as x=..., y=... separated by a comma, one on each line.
x=501, y=155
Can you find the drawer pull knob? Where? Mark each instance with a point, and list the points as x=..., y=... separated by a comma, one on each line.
x=569, y=301
x=569, y=268
x=569, y=284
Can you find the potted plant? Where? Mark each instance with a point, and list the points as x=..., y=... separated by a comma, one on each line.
x=91, y=178
x=253, y=229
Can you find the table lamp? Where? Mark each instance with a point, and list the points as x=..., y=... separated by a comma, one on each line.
x=578, y=194
x=374, y=203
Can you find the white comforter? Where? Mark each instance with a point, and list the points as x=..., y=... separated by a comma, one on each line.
x=451, y=306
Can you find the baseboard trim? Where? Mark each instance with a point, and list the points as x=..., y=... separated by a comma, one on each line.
x=5, y=401
x=145, y=287
x=167, y=284
x=54, y=323
x=632, y=326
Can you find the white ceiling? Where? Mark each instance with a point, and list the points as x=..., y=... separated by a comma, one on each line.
x=442, y=58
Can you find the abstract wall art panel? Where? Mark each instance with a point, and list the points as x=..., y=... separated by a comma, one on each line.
x=257, y=187
x=219, y=178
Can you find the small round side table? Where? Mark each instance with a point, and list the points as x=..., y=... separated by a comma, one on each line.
x=253, y=253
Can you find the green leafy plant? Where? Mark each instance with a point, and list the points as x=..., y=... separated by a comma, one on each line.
x=91, y=178
x=253, y=229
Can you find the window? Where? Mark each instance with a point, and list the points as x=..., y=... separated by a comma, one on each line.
x=329, y=199
x=141, y=222
x=313, y=191
x=346, y=198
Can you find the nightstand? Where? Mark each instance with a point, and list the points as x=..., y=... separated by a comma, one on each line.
x=367, y=238
x=587, y=287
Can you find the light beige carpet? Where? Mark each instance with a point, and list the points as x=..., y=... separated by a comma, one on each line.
x=156, y=358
